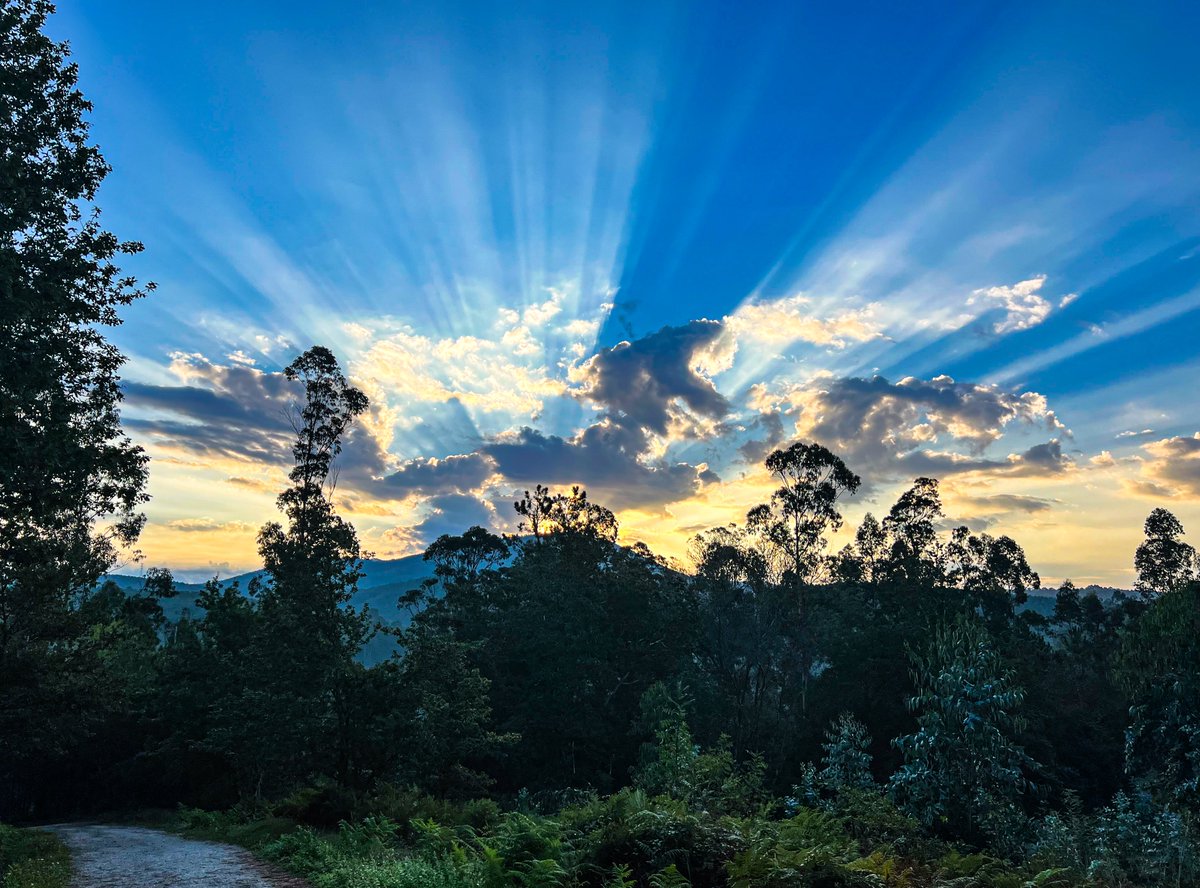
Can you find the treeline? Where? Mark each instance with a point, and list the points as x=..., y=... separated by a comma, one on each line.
x=558, y=661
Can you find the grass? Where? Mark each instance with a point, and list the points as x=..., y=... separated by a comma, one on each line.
x=33, y=858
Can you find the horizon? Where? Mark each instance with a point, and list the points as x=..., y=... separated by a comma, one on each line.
x=635, y=249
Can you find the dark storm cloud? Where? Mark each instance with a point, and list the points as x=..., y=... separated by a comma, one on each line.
x=770, y=426
x=642, y=386
x=1011, y=502
x=235, y=412
x=971, y=413
x=604, y=458
x=934, y=427
x=639, y=382
x=460, y=472
x=1041, y=460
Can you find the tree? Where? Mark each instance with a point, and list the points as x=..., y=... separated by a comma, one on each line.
x=912, y=557
x=846, y=763
x=441, y=723
x=993, y=571
x=742, y=650
x=544, y=514
x=804, y=508
x=1163, y=562
x=863, y=560
x=1068, y=607
x=963, y=770
x=71, y=483
x=309, y=634
x=793, y=526
x=569, y=633
x=1159, y=667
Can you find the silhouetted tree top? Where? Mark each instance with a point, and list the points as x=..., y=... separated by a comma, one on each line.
x=1163, y=561
x=804, y=508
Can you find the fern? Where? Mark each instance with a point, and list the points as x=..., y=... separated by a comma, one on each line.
x=670, y=877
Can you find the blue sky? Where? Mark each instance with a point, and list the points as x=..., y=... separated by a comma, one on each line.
x=476, y=204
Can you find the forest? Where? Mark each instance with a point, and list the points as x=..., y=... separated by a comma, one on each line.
x=565, y=708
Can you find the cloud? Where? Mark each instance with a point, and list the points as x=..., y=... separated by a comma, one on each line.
x=504, y=375
x=453, y=513
x=230, y=412
x=1007, y=502
x=1172, y=470
x=793, y=319
x=236, y=415
x=938, y=426
x=604, y=457
x=460, y=472
x=645, y=382
x=1041, y=460
x=209, y=525
x=1024, y=305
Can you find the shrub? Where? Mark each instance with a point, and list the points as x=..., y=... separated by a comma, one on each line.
x=38, y=873
x=806, y=849
x=409, y=872
x=31, y=858
x=324, y=804
x=303, y=852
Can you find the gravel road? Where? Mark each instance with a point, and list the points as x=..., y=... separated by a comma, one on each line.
x=132, y=857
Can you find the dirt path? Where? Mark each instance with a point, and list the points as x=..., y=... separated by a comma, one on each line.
x=132, y=857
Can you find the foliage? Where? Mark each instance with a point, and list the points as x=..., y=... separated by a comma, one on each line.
x=32, y=858
x=846, y=763
x=1159, y=665
x=1163, y=562
x=962, y=766
x=71, y=482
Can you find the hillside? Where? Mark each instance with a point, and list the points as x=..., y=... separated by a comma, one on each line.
x=382, y=584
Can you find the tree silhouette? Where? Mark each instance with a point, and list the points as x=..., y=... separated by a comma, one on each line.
x=1163, y=562
x=65, y=464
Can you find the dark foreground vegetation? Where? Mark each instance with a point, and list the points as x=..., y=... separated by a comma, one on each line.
x=31, y=858
x=566, y=710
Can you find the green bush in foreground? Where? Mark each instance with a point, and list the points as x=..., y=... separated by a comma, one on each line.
x=32, y=858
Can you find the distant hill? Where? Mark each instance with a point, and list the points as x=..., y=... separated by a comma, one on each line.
x=1041, y=601
x=382, y=584
x=385, y=580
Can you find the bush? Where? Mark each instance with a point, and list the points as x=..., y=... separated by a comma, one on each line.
x=325, y=805
x=646, y=836
x=410, y=872
x=303, y=852
x=38, y=873
x=809, y=848
x=31, y=858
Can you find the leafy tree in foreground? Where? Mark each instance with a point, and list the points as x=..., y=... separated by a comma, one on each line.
x=71, y=483
x=1159, y=667
x=963, y=771
x=846, y=763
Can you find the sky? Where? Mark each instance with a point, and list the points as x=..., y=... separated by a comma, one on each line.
x=636, y=246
